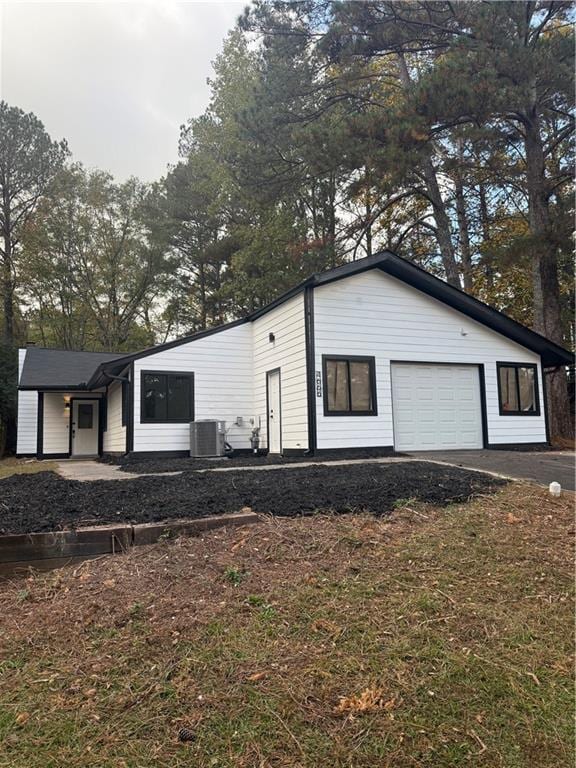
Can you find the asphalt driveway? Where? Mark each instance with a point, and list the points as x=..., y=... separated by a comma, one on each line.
x=542, y=467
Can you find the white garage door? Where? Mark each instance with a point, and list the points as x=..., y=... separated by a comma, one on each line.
x=436, y=407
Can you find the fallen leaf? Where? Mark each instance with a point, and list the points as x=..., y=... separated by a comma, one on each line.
x=512, y=519
x=22, y=718
x=330, y=627
x=370, y=700
x=256, y=676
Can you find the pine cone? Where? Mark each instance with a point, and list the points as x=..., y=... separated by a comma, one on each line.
x=186, y=734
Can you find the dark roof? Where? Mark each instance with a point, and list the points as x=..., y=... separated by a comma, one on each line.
x=60, y=368
x=80, y=370
x=552, y=354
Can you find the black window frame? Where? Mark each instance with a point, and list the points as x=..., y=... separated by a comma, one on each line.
x=516, y=366
x=167, y=374
x=371, y=360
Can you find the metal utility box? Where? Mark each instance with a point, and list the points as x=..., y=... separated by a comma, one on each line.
x=207, y=438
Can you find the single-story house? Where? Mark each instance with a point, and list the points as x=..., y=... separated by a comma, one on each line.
x=375, y=354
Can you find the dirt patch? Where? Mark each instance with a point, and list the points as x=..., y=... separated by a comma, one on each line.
x=47, y=502
x=146, y=466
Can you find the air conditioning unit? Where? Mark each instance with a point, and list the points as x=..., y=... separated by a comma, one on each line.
x=207, y=438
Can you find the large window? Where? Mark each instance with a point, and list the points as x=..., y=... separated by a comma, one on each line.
x=349, y=386
x=167, y=397
x=518, y=389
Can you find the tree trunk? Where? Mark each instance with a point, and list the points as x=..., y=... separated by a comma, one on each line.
x=485, y=222
x=368, y=211
x=547, y=308
x=465, y=252
x=443, y=230
x=8, y=292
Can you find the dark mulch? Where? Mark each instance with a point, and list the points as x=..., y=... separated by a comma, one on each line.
x=146, y=466
x=45, y=501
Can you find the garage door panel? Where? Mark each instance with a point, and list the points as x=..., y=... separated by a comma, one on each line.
x=436, y=406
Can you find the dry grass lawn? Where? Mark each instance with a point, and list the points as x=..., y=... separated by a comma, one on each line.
x=12, y=466
x=433, y=638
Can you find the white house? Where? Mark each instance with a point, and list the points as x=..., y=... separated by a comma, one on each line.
x=374, y=354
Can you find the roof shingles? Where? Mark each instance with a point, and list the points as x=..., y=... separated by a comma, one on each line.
x=60, y=368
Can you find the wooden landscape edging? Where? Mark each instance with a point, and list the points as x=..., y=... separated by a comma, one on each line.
x=56, y=548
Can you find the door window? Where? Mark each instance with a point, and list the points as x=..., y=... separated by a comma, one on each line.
x=85, y=416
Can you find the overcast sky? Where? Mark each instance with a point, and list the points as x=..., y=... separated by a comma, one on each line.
x=116, y=79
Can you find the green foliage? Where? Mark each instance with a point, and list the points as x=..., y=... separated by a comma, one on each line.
x=8, y=379
x=440, y=130
x=29, y=160
x=93, y=269
x=234, y=576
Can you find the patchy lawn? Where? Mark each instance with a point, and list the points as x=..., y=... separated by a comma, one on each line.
x=48, y=502
x=434, y=637
x=12, y=466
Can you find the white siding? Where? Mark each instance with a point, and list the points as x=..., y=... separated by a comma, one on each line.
x=56, y=424
x=114, y=439
x=27, y=420
x=287, y=352
x=375, y=314
x=222, y=367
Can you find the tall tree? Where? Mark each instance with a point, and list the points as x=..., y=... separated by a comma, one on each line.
x=93, y=268
x=506, y=68
x=29, y=161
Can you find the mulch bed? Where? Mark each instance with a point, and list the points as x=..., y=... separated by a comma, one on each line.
x=145, y=466
x=47, y=502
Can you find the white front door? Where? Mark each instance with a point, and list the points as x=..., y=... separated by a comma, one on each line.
x=85, y=427
x=274, y=412
x=436, y=407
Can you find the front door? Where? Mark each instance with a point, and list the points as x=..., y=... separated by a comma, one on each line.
x=84, y=427
x=274, y=412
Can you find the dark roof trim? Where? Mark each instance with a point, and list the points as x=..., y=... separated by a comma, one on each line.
x=53, y=388
x=551, y=353
x=121, y=362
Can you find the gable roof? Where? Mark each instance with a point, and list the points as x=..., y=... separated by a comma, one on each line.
x=60, y=368
x=84, y=366
x=552, y=354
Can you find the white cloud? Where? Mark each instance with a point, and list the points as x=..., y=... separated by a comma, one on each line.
x=116, y=79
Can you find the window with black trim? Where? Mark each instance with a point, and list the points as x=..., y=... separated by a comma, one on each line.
x=518, y=389
x=166, y=396
x=349, y=386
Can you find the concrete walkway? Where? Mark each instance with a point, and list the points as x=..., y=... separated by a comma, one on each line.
x=86, y=471
x=540, y=467
x=300, y=464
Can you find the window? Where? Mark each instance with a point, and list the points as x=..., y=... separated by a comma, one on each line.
x=85, y=415
x=167, y=397
x=349, y=386
x=518, y=389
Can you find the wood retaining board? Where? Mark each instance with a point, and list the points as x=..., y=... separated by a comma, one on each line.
x=56, y=548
